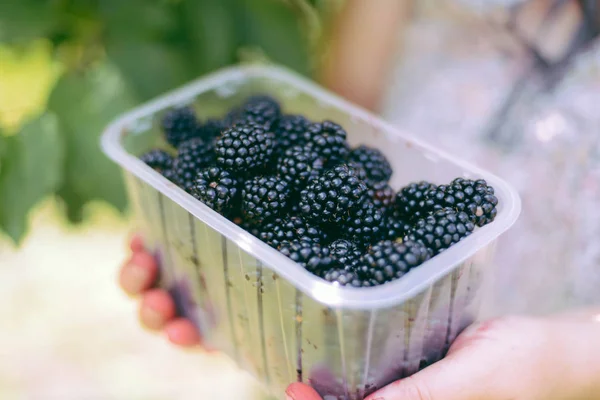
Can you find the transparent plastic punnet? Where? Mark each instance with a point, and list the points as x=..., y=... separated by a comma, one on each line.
x=275, y=319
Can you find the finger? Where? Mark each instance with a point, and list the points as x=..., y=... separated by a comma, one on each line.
x=464, y=375
x=300, y=391
x=136, y=244
x=139, y=273
x=156, y=309
x=182, y=332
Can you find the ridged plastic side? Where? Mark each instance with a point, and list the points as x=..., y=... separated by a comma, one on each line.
x=281, y=335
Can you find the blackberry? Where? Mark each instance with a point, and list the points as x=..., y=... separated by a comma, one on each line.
x=217, y=188
x=248, y=226
x=295, y=207
x=298, y=165
x=328, y=139
x=211, y=129
x=180, y=125
x=333, y=195
x=345, y=253
x=342, y=277
x=261, y=110
x=476, y=198
x=381, y=194
x=441, y=230
x=264, y=198
x=232, y=117
x=411, y=200
x=290, y=229
x=312, y=256
x=290, y=131
x=365, y=224
x=374, y=162
x=395, y=227
x=170, y=175
x=156, y=159
x=266, y=102
x=388, y=260
x=244, y=149
x=192, y=156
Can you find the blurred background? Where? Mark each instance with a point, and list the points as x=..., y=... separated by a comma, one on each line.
x=511, y=85
x=67, y=68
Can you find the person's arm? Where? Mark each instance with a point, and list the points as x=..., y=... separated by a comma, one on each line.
x=556, y=358
x=362, y=48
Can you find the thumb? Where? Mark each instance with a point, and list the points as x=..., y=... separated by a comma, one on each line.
x=300, y=391
x=467, y=374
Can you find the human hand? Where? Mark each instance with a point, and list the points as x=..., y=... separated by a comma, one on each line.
x=138, y=277
x=509, y=358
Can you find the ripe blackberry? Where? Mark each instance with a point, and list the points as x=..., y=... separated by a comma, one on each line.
x=333, y=195
x=192, y=156
x=345, y=253
x=328, y=139
x=441, y=230
x=411, y=200
x=217, y=188
x=232, y=117
x=312, y=256
x=211, y=129
x=374, y=162
x=294, y=206
x=269, y=103
x=340, y=276
x=298, y=165
x=476, y=198
x=156, y=159
x=290, y=229
x=395, y=227
x=290, y=131
x=249, y=227
x=264, y=198
x=381, y=194
x=180, y=125
x=244, y=149
x=261, y=110
x=170, y=175
x=387, y=260
x=365, y=224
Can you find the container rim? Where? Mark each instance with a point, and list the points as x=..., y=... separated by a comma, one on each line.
x=413, y=283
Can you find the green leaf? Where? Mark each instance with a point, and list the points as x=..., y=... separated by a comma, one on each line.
x=85, y=103
x=25, y=20
x=141, y=19
x=209, y=26
x=275, y=27
x=32, y=167
x=145, y=41
x=151, y=68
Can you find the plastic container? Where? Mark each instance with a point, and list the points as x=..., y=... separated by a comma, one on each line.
x=271, y=316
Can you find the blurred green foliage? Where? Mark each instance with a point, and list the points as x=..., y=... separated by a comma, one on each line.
x=113, y=55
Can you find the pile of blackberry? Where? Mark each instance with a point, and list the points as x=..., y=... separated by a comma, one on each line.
x=299, y=186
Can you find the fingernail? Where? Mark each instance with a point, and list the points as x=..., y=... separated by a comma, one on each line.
x=287, y=397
